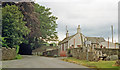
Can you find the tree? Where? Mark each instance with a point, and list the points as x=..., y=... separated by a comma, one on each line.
x=47, y=23
x=13, y=26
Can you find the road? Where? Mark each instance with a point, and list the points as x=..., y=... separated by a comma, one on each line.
x=39, y=62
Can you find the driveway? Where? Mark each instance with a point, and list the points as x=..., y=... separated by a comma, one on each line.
x=39, y=62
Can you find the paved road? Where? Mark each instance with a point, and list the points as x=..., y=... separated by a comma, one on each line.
x=39, y=62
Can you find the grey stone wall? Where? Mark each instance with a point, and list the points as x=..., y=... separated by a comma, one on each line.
x=79, y=53
x=51, y=53
x=107, y=51
x=111, y=54
x=8, y=54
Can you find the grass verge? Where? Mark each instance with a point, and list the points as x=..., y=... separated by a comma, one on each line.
x=101, y=65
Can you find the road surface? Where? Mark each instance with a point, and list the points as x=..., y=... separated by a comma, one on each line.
x=39, y=62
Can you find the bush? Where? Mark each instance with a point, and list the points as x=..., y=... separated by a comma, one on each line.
x=117, y=63
x=18, y=56
x=17, y=48
x=55, y=55
x=48, y=54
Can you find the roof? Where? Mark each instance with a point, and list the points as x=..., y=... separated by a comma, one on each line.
x=67, y=39
x=96, y=39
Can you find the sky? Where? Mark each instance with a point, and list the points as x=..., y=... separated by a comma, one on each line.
x=95, y=17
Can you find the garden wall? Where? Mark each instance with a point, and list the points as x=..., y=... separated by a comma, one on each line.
x=112, y=54
x=51, y=53
x=107, y=51
x=80, y=54
x=8, y=54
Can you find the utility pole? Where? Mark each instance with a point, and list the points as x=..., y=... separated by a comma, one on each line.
x=112, y=32
x=87, y=53
x=115, y=44
x=108, y=42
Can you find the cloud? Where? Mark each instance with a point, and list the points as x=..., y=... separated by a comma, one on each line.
x=94, y=16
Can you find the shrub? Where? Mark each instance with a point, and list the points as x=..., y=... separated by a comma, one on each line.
x=18, y=56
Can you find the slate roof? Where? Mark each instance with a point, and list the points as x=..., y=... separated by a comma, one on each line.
x=96, y=39
x=92, y=39
x=67, y=39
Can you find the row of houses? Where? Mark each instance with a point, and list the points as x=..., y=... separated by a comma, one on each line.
x=80, y=40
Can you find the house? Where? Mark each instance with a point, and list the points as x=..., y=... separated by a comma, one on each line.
x=108, y=44
x=95, y=42
x=79, y=40
x=74, y=41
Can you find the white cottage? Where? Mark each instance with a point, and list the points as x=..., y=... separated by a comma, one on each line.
x=74, y=41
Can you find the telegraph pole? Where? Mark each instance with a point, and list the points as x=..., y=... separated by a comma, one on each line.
x=87, y=53
x=112, y=32
x=108, y=42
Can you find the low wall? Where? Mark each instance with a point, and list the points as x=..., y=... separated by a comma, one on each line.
x=51, y=53
x=80, y=54
x=112, y=54
x=8, y=54
x=107, y=51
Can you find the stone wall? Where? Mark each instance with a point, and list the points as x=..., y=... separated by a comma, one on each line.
x=107, y=51
x=51, y=53
x=8, y=54
x=43, y=48
x=111, y=54
x=79, y=53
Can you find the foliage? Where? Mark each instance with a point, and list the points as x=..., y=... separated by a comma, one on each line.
x=2, y=42
x=35, y=42
x=17, y=48
x=47, y=27
x=18, y=56
x=47, y=23
x=13, y=26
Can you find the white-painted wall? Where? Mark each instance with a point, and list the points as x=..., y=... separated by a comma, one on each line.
x=77, y=38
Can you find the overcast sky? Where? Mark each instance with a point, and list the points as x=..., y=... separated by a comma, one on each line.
x=94, y=16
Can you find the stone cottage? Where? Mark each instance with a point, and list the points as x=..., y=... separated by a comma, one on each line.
x=95, y=42
x=79, y=40
x=74, y=41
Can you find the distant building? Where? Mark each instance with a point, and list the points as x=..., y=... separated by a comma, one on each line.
x=79, y=40
x=110, y=45
x=95, y=41
x=74, y=41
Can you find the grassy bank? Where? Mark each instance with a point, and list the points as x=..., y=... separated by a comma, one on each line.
x=101, y=65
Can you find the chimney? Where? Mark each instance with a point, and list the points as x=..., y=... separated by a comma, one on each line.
x=67, y=34
x=78, y=29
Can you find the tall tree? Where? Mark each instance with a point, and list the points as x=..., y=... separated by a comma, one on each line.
x=47, y=23
x=13, y=26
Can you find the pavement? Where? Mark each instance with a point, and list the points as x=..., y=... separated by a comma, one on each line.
x=39, y=62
